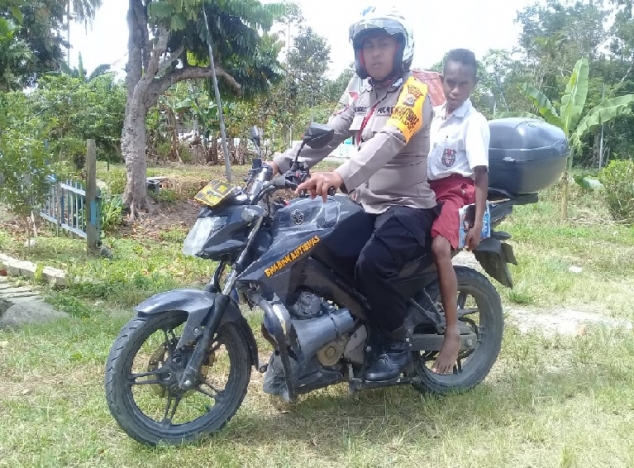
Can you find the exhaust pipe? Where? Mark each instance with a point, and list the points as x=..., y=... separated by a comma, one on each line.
x=313, y=334
x=305, y=337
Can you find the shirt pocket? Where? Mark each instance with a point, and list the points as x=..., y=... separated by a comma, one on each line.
x=398, y=179
x=373, y=125
x=453, y=140
x=357, y=121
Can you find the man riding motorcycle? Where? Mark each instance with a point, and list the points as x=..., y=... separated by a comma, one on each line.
x=387, y=175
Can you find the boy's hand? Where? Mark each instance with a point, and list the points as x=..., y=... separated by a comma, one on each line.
x=474, y=236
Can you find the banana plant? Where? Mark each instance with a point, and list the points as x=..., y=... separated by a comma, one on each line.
x=569, y=115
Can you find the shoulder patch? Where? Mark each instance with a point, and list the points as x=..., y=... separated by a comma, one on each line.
x=407, y=115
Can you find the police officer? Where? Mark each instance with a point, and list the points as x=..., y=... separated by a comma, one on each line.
x=387, y=175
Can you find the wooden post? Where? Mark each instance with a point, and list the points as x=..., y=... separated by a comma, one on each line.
x=58, y=207
x=92, y=232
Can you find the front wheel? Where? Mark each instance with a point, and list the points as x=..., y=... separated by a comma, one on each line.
x=480, y=308
x=142, y=374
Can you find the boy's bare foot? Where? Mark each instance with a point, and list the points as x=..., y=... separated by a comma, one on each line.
x=448, y=356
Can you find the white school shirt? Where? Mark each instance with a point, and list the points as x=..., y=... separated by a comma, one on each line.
x=459, y=142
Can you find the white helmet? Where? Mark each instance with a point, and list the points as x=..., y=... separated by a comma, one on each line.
x=388, y=20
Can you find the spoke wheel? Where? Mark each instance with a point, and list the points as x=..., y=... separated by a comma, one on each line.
x=480, y=309
x=143, y=371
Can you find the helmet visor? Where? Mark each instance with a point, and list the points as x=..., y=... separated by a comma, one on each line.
x=364, y=28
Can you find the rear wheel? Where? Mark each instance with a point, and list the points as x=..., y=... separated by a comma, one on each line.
x=142, y=374
x=480, y=308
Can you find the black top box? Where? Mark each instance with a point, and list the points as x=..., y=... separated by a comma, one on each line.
x=525, y=155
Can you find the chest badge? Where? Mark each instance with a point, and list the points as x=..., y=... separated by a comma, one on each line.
x=297, y=217
x=410, y=100
x=448, y=157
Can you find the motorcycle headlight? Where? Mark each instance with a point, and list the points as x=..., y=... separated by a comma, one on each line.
x=202, y=230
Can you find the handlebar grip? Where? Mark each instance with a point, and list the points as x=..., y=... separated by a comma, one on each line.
x=279, y=182
x=304, y=193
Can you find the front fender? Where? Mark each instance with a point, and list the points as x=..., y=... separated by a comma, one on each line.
x=198, y=304
x=494, y=256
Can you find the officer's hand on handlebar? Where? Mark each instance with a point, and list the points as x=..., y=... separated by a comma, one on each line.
x=320, y=184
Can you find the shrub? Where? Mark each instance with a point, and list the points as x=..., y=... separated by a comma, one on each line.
x=25, y=160
x=618, y=180
x=164, y=195
x=115, y=180
x=111, y=212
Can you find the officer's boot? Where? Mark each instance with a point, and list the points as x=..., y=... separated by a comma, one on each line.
x=394, y=357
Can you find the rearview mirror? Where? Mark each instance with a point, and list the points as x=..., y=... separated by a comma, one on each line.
x=255, y=136
x=317, y=136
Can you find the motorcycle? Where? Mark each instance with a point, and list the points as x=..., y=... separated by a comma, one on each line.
x=295, y=261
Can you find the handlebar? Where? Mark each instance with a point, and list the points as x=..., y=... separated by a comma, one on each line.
x=298, y=174
x=263, y=182
x=290, y=184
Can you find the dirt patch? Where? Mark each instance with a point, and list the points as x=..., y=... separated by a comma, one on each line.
x=549, y=322
x=165, y=216
x=162, y=217
x=561, y=321
x=10, y=222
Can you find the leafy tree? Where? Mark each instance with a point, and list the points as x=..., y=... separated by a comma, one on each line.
x=628, y=7
x=179, y=51
x=76, y=110
x=554, y=35
x=10, y=15
x=24, y=159
x=304, y=92
x=83, y=10
x=334, y=88
x=308, y=62
x=14, y=53
x=37, y=43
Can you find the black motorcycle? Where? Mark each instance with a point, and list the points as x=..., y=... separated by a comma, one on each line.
x=181, y=367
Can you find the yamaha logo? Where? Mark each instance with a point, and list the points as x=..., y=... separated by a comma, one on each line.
x=298, y=217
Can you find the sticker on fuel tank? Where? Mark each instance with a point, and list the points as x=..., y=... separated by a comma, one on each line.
x=291, y=257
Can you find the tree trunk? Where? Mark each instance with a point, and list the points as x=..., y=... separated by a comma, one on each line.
x=213, y=150
x=232, y=150
x=147, y=78
x=242, y=151
x=566, y=182
x=596, y=148
x=133, y=145
x=564, y=197
x=173, y=123
x=133, y=137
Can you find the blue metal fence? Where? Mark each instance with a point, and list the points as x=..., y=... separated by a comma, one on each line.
x=66, y=208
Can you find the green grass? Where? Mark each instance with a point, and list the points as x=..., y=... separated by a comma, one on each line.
x=546, y=248
x=549, y=402
x=138, y=269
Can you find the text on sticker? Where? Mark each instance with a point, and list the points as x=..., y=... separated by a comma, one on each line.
x=291, y=257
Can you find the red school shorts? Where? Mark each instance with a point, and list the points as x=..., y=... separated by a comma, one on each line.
x=452, y=193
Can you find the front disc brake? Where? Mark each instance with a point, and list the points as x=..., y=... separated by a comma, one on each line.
x=157, y=361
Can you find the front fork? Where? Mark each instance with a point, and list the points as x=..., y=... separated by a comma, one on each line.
x=211, y=322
